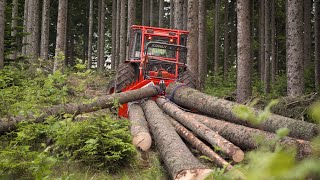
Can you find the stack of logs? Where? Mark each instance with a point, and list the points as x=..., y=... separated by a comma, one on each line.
x=169, y=124
x=167, y=120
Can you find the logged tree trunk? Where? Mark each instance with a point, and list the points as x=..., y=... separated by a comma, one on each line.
x=199, y=145
x=200, y=129
x=317, y=44
x=103, y=102
x=91, y=34
x=139, y=127
x=178, y=14
x=223, y=109
x=61, y=35
x=244, y=89
x=295, y=70
x=161, y=13
x=44, y=49
x=2, y=25
x=245, y=137
x=177, y=158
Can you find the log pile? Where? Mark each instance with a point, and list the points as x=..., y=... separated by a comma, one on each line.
x=214, y=130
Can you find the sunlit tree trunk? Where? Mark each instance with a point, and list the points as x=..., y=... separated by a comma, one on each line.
x=295, y=70
x=244, y=88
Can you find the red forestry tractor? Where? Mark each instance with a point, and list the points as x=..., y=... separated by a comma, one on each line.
x=156, y=56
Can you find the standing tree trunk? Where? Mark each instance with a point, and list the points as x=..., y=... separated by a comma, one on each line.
x=295, y=71
x=193, y=26
x=273, y=45
x=307, y=33
x=25, y=27
x=61, y=36
x=216, y=37
x=99, y=32
x=91, y=34
x=151, y=12
x=171, y=14
x=123, y=34
x=226, y=40
x=14, y=25
x=185, y=15
x=29, y=27
x=114, y=24
x=261, y=39
x=267, y=47
x=178, y=14
x=202, y=44
x=244, y=88
x=2, y=26
x=161, y=13
x=131, y=13
x=45, y=25
x=35, y=36
x=118, y=34
x=101, y=39
x=317, y=43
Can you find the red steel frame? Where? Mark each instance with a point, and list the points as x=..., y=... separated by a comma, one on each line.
x=141, y=82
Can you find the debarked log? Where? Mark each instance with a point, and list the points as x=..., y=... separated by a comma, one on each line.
x=223, y=109
x=179, y=161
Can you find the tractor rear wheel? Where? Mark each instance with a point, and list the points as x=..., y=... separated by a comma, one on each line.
x=125, y=76
x=188, y=79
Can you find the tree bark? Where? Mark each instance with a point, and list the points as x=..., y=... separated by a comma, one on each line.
x=193, y=38
x=267, y=47
x=199, y=145
x=244, y=89
x=273, y=44
x=118, y=34
x=223, y=109
x=123, y=32
x=185, y=15
x=226, y=40
x=45, y=25
x=14, y=25
x=131, y=13
x=178, y=14
x=61, y=35
x=177, y=158
x=171, y=14
x=101, y=37
x=91, y=34
x=2, y=26
x=30, y=19
x=151, y=4
x=216, y=38
x=8, y=124
x=307, y=4
x=245, y=137
x=139, y=127
x=202, y=44
x=35, y=36
x=114, y=27
x=295, y=70
x=25, y=27
x=201, y=130
x=317, y=44
x=261, y=39
x=161, y=13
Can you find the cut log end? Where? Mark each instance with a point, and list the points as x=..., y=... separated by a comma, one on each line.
x=238, y=156
x=193, y=174
x=142, y=140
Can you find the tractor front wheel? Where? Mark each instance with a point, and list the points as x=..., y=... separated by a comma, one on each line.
x=188, y=79
x=125, y=76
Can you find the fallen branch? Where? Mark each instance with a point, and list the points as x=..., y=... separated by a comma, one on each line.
x=198, y=144
x=7, y=124
x=200, y=129
x=179, y=161
x=139, y=127
x=244, y=137
x=220, y=108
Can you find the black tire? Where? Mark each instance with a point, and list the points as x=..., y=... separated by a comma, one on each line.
x=188, y=79
x=125, y=76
